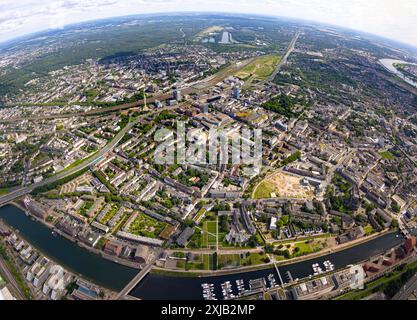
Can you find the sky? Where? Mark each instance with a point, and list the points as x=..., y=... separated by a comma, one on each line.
x=394, y=19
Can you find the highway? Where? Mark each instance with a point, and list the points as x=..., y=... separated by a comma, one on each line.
x=284, y=59
x=193, y=88
x=93, y=112
x=109, y=147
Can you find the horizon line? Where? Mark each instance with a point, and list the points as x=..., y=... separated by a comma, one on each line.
x=4, y=43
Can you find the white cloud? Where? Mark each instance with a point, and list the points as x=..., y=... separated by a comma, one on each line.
x=393, y=19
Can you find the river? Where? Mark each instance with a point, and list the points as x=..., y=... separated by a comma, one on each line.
x=156, y=286
x=80, y=261
x=389, y=65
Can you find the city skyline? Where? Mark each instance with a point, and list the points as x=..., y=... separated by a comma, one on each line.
x=393, y=20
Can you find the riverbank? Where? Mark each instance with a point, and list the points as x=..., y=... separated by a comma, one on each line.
x=100, y=253
x=382, y=281
x=269, y=265
x=27, y=289
x=78, y=260
x=160, y=285
x=204, y=273
x=389, y=65
x=168, y=285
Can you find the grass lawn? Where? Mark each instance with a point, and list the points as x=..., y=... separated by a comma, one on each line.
x=254, y=259
x=199, y=214
x=3, y=191
x=76, y=163
x=386, y=155
x=209, y=236
x=200, y=262
x=208, y=262
x=101, y=243
x=229, y=260
x=41, y=157
x=87, y=206
x=207, y=31
x=10, y=263
x=196, y=264
x=110, y=214
x=260, y=69
x=303, y=248
x=264, y=190
x=146, y=226
x=368, y=230
x=181, y=264
x=317, y=236
x=197, y=240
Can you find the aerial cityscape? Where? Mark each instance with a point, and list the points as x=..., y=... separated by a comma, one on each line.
x=207, y=156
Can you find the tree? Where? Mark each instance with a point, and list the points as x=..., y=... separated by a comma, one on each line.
x=394, y=223
x=215, y=258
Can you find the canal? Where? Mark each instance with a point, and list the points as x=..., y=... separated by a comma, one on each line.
x=156, y=286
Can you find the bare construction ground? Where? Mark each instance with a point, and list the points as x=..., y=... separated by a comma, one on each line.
x=282, y=185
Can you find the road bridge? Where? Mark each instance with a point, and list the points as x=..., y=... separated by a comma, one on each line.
x=134, y=282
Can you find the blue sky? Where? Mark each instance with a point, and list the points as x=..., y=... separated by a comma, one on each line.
x=392, y=19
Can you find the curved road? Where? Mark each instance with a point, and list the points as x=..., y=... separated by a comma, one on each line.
x=196, y=87
x=109, y=147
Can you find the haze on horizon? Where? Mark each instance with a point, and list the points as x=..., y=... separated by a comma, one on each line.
x=396, y=20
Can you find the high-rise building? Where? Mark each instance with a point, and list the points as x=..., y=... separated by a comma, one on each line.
x=177, y=94
x=204, y=108
x=236, y=92
x=158, y=104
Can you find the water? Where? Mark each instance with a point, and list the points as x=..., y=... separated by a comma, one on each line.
x=80, y=261
x=389, y=65
x=155, y=286
x=225, y=38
